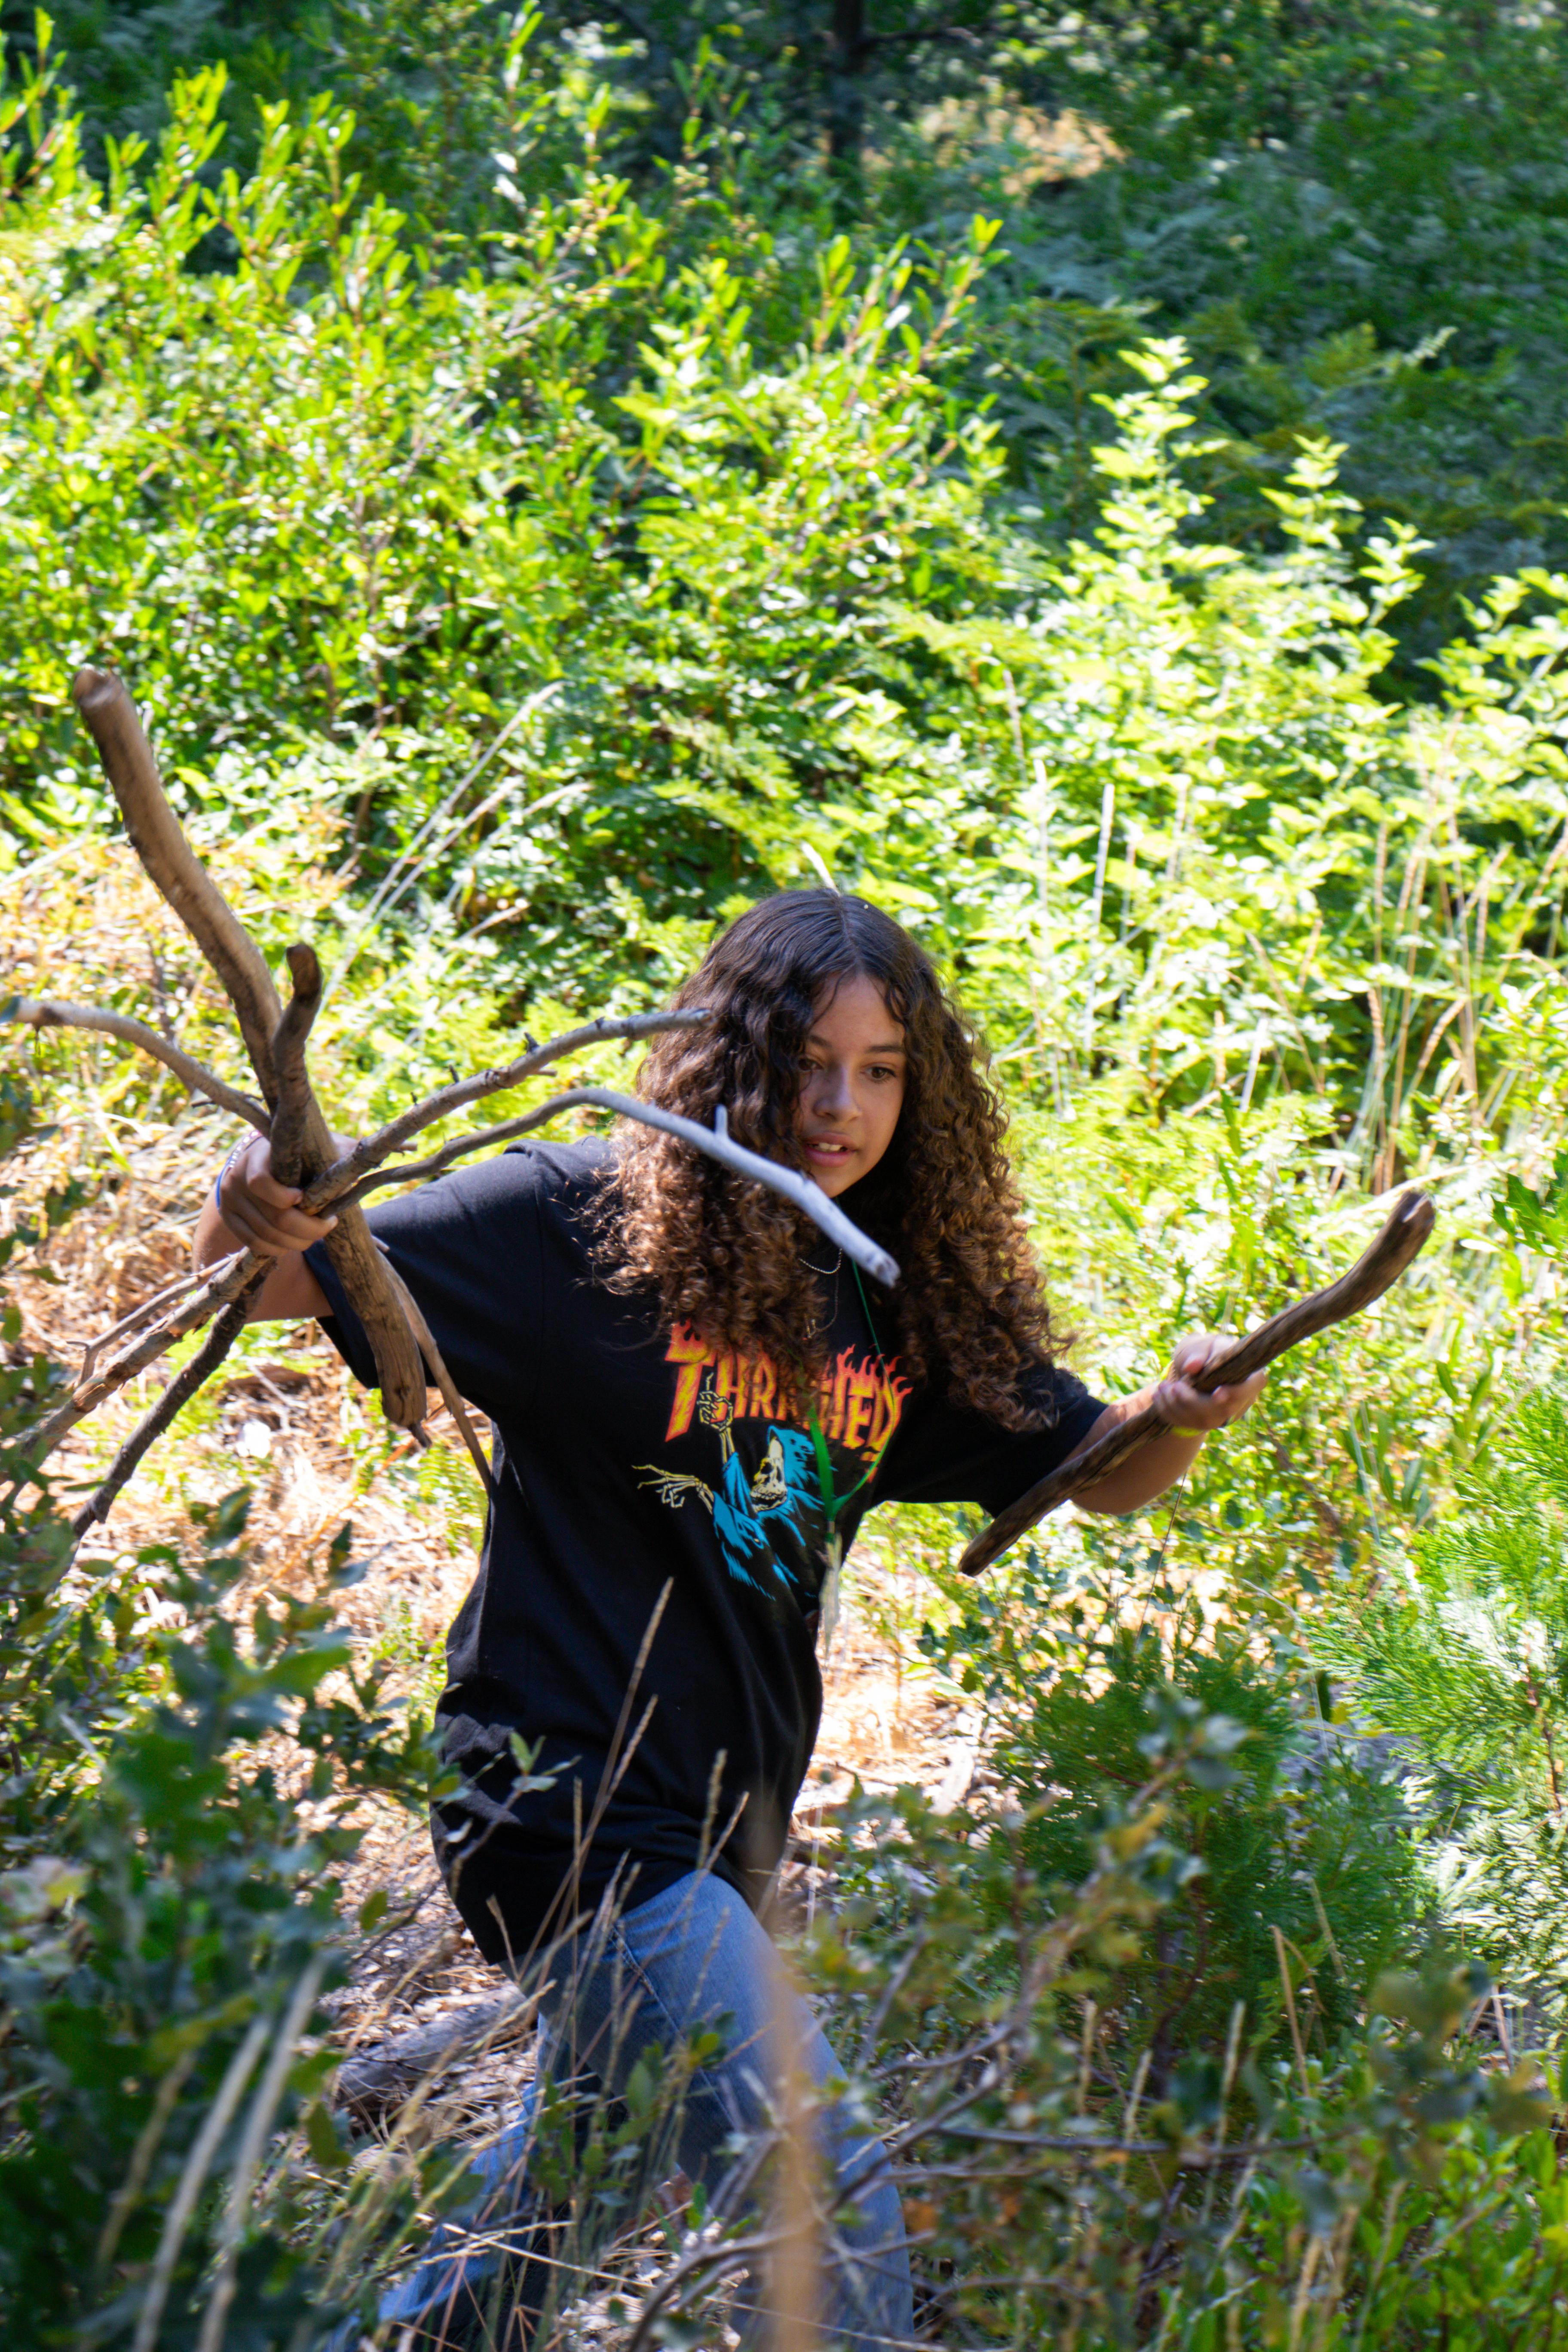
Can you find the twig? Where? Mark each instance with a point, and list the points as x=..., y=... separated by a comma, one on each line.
x=253, y=2140
x=53, y=1012
x=180, y=1391
x=371, y=1150
x=224, y=1283
x=1290, y=1993
x=714, y=1140
x=440, y=1375
x=160, y=1303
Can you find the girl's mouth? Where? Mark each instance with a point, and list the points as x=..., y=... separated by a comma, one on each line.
x=828, y=1151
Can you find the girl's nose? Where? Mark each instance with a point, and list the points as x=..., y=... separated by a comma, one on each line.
x=830, y=1095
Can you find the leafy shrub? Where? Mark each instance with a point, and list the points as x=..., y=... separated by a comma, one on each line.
x=1058, y=2192
x=1300, y=1863
x=178, y=1801
x=1460, y=1651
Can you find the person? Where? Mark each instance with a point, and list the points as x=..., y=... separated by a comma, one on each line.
x=694, y=1399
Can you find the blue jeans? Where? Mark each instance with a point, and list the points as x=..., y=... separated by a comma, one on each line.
x=691, y=1960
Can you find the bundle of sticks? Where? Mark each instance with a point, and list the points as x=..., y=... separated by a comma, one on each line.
x=276, y=1035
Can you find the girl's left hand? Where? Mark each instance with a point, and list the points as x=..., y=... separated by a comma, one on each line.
x=1187, y=1408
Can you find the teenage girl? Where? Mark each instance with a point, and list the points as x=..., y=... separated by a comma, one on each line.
x=694, y=1398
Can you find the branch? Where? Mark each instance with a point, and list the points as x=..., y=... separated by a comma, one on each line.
x=223, y=1283
x=291, y=1113
x=51, y=1012
x=180, y=1391
x=369, y=1152
x=1402, y=1239
x=173, y=865
x=161, y=1301
x=440, y=1375
x=715, y=1141
x=302, y=1145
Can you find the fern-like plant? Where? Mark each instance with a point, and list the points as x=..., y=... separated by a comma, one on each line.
x=1462, y=1655
x=1464, y=1650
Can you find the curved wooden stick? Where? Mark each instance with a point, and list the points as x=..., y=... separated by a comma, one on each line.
x=173, y=865
x=715, y=1141
x=1402, y=1240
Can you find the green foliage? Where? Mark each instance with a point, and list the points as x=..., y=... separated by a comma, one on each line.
x=1461, y=1653
x=519, y=566
x=1301, y=1837
x=1059, y=2192
x=178, y=1803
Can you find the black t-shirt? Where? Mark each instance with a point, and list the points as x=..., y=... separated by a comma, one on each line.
x=628, y=1458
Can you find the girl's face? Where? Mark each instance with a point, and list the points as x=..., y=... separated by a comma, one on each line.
x=851, y=1086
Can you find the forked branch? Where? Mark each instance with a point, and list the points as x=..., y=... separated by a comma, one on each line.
x=338, y=1181
x=303, y=1152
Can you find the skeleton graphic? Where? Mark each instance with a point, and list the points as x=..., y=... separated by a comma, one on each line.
x=779, y=1497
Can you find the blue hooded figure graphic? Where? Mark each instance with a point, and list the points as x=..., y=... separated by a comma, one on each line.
x=780, y=1498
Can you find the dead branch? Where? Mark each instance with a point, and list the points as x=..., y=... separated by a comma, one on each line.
x=161, y=1302
x=1400, y=1242
x=371, y=1149
x=715, y=1141
x=370, y=2081
x=303, y=1151
x=174, y=866
x=209, y=1293
x=222, y=1285
x=293, y=1106
x=180, y=1391
x=52, y=1013
x=302, y=1144
x=441, y=1376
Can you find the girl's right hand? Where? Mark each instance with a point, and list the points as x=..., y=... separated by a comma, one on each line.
x=261, y=1213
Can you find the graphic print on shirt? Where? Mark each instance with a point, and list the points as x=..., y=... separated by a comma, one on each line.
x=766, y=1499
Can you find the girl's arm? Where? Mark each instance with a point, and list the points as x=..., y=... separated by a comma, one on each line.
x=252, y=1211
x=1192, y=1415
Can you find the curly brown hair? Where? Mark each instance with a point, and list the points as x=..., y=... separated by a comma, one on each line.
x=729, y=1258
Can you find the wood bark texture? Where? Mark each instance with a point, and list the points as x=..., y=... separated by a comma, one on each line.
x=1401, y=1241
x=171, y=862
x=173, y=865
